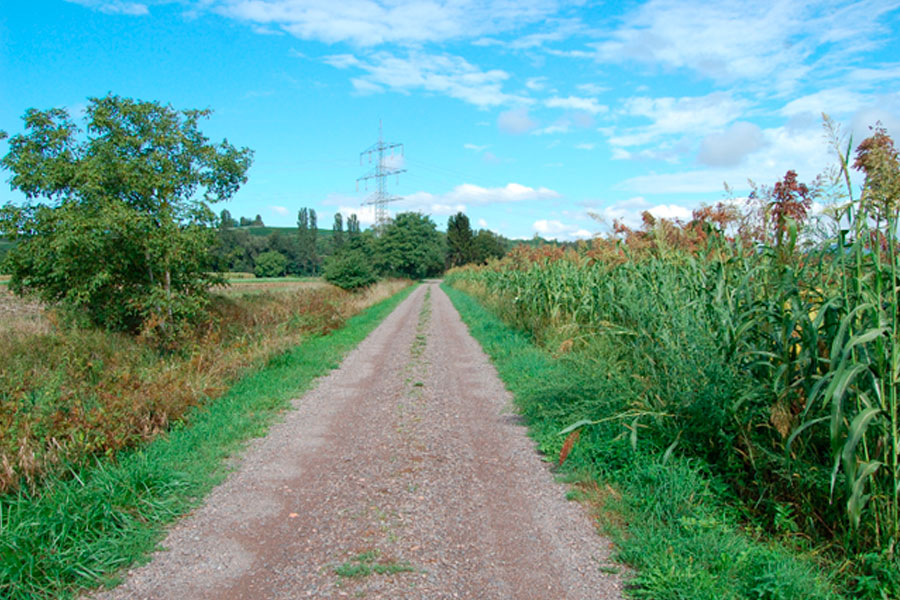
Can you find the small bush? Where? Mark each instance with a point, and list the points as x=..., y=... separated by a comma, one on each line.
x=270, y=264
x=350, y=270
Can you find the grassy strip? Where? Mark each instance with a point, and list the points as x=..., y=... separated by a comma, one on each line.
x=80, y=530
x=667, y=515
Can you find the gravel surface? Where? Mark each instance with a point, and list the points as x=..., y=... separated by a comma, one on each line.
x=406, y=467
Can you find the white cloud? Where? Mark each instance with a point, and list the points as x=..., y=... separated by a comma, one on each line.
x=592, y=89
x=342, y=61
x=559, y=30
x=545, y=227
x=774, y=41
x=585, y=146
x=629, y=212
x=580, y=119
x=516, y=121
x=801, y=149
x=536, y=84
x=365, y=214
x=114, y=7
x=482, y=223
x=730, y=147
x=834, y=101
x=450, y=75
x=865, y=75
x=374, y=22
x=561, y=126
x=559, y=230
x=467, y=194
x=280, y=210
x=262, y=30
x=475, y=147
x=674, y=116
x=576, y=103
x=884, y=109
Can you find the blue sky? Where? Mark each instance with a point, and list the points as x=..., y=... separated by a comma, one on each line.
x=528, y=115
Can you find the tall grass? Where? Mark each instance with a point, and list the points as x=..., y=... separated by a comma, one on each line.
x=773, y=360
x=67, y=395
x=82, y=527
x=669, y=516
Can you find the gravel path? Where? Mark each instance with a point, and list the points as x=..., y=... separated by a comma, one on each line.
x=406, y=468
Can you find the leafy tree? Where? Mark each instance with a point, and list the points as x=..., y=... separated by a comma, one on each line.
x=258, y=222
x=289, y=247
x=123, y=230
x=337, y=237
x=236, y=250
x=226, y=221
x=245, y=222
x=270, y=264
x=460, y=240
x=352, y=226
x=487, y=245
x=410, y=246
x=307, y=230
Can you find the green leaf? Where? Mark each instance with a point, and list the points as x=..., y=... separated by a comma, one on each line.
x=575, y=426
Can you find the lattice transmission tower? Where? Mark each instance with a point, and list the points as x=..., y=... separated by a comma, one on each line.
x=380, y=151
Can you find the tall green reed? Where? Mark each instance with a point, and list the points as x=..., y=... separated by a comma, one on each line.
x=775, y=359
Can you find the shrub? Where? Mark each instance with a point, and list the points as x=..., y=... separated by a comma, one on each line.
x=350, y=270
x=270, y=264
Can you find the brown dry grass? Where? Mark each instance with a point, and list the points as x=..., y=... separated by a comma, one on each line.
x=70, y=394
x=250, y=285
x=21, y=316
x=601, y=501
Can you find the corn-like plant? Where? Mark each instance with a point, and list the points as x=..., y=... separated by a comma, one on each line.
x=774, y=357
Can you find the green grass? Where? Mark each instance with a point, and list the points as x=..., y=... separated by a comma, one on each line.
x=367, y=563
x=80, y=530
x=669, y=516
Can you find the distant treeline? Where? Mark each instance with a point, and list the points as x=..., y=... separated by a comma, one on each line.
x=248, y=245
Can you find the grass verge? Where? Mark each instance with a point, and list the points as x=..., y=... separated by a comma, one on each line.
x=84, y=527
x=669, y=517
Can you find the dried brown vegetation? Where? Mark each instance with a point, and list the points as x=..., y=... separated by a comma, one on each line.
x=67, y=394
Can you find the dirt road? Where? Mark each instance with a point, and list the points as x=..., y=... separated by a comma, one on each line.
x=403, y=474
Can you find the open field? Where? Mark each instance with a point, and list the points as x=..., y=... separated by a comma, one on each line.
x=255, y=284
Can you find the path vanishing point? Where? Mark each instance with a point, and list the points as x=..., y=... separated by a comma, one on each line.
x=406, y=467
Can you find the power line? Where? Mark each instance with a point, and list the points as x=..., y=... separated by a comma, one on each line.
x=380, y=173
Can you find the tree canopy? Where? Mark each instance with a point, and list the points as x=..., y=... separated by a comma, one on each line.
x=460, y=240
x=117, y=224
x=410, y=246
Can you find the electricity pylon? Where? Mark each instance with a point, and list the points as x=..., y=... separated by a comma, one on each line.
x=380, y=173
